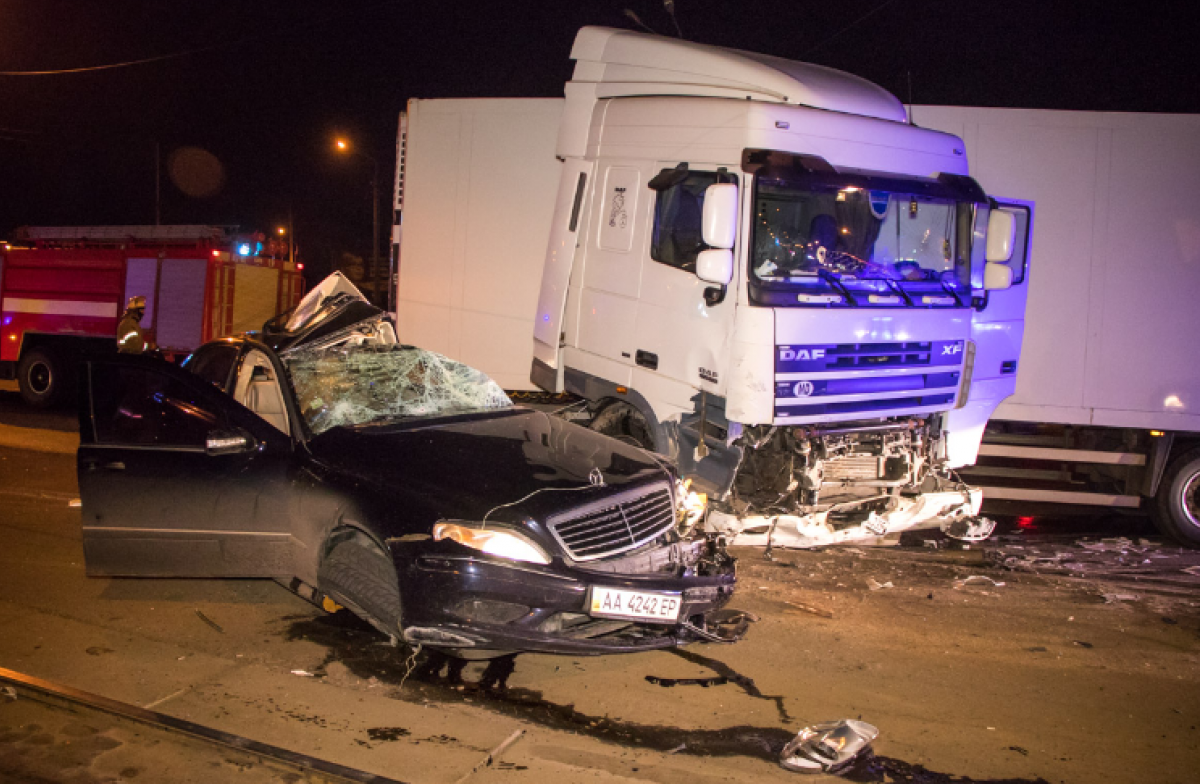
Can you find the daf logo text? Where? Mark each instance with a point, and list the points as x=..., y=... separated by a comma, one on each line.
x=788, y=354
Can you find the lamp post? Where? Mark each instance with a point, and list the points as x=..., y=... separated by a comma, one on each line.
x=343, y=146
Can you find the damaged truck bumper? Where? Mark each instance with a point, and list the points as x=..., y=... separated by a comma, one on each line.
x=955, y=512
x=484, y=605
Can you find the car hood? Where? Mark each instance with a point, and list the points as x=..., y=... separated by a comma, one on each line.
x=492, y=463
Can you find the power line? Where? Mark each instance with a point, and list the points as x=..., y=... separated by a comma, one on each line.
x=862, y=18
x=188, y=52
x=126, y=64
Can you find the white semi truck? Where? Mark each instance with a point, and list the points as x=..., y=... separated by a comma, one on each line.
x=754, y=266
x=1107, y=404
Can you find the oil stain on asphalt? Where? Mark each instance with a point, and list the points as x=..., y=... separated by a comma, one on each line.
x=438, y=678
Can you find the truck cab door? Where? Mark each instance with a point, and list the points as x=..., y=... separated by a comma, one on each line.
x=997, y=328
x=176, y=478
x=683, y=328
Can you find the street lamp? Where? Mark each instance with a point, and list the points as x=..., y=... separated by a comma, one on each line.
x=343, y=146
x=286, y=231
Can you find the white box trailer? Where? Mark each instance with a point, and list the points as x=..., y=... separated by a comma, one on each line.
x=1107, y=401
x=477, y=203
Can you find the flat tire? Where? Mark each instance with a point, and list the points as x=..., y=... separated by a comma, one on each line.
x=363, y=579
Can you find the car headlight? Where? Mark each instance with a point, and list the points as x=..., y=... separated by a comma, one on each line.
x=493, y=541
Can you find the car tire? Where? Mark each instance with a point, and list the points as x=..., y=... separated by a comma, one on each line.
x=360, y=576
x=41, y=377
x=1177, y=505
x=624, y=423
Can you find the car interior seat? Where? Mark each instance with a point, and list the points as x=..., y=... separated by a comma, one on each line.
x=263, y=397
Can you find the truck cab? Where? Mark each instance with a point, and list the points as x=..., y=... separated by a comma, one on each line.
x=759, y=268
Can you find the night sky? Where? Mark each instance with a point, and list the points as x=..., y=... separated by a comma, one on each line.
x=265, y=85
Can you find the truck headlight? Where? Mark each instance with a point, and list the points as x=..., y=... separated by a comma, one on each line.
x=690, y=506
x=499, y=542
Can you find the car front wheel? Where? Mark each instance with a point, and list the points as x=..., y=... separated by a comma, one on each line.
x=357, y=574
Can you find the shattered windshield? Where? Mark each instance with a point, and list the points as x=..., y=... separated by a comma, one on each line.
x=872, y=246
x=357, y=384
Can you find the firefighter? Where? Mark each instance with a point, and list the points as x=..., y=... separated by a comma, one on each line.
x=130, y=338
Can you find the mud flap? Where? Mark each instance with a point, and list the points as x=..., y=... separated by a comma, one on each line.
x=712, y=474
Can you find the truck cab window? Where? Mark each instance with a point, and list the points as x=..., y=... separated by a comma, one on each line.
x=676, y=239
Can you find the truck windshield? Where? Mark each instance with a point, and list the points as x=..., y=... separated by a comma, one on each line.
x=832, y=243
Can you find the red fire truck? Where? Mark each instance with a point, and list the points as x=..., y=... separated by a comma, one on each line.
x=63, y=290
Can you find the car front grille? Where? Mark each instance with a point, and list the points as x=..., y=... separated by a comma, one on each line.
x=615, y=524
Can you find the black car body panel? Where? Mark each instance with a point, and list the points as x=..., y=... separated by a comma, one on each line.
x=179, y=478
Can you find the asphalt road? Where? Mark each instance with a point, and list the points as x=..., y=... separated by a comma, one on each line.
x=1036, y=679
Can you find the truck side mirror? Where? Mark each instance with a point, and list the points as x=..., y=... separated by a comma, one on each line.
x=719, y=221
x=715, y=265
x=997, y=276
x=1001, y=236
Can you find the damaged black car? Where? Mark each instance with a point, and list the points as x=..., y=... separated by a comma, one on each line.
x=394, y=482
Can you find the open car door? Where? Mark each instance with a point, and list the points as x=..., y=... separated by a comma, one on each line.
x=176, y=478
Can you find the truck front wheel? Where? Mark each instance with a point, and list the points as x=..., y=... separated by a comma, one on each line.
x=41, y=377
x=1177, y=506
x=624, y=422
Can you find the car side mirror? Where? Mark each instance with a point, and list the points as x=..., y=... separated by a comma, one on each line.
x=997, y=276
x=715, y=265
x=718, y=225
x=1001, y=237
x=229, y=442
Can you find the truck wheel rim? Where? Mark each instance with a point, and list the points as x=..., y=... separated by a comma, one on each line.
x=39, y=377
x=1190, y=499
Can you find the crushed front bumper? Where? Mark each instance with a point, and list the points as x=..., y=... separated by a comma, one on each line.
x=461, y=602
x=947, y=510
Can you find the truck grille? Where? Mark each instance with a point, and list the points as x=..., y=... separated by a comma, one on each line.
x=614, y=525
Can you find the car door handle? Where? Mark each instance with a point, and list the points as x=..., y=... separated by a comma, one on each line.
x=112, y=465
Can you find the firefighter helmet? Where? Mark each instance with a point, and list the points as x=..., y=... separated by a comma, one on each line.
x=136, y=303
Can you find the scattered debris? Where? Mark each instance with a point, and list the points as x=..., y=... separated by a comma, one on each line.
x=976, y=579
x=387, y=733
x=970, y=529
x=9, y=694
x=875, y=585
x=1083, y=644
x=1037, y=649
x=1022, y=751
x=209, y=621
x=677, y=749
x=1119, y=563
x=808, y=608
x=303, y=673
x=1113, y=598
x=493, y=755
x=720, y=680
x=828, y=747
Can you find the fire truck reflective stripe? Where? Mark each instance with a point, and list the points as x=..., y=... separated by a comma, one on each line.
x=59, y=307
